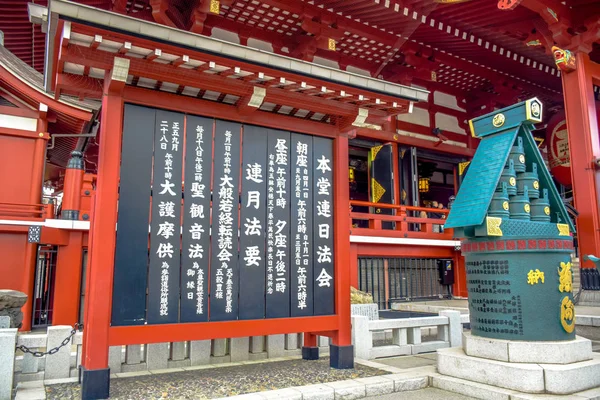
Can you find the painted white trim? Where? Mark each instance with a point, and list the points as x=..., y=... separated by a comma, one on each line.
x=68, y=224
x=51, y=223
x=407, y=241
x=16, y=222
x=16, y=122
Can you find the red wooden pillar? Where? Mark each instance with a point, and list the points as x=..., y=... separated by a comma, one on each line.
x=95, y=374
x=68, y=281
x=72, y=187
x=584, y=147
x=341, y=350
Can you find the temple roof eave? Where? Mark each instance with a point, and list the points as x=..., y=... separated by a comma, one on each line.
x=160, y=33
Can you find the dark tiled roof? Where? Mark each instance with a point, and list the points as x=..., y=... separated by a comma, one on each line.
x=35, y=79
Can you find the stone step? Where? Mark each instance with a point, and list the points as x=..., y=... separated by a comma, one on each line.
x=488, y=392
x=522, y=377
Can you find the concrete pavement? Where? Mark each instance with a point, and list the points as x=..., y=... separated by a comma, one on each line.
x=423, y=394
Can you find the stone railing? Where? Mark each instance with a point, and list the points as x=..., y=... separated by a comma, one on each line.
x=406, y=334
x=18, y=367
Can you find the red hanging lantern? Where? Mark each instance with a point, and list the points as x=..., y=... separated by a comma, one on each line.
x=558, y=148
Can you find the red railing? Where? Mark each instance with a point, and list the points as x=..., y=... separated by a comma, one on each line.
x=17, y=211
x=405, y=221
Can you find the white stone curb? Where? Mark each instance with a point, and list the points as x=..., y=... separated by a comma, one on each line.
x=399, y=380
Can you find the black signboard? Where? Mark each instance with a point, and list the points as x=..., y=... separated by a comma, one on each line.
x=195, y=249
x=224, y=272
x=165, y=239
x=131, y=252
x=255, y=219
x=278, y=225
x=301, y=236
x=253, y=208
x=323, y=226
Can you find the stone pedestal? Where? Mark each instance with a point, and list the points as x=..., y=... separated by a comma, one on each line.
x=485, y=365
x=11, y=302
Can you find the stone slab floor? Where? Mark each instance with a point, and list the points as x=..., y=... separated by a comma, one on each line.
x=405, y=362
x=423, y=394
x=218, y=382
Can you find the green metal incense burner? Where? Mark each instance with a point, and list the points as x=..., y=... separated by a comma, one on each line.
x=516, y=233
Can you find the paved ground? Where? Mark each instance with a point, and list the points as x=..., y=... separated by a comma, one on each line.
x=221, y=381
x=420, y=360
x=423, y=394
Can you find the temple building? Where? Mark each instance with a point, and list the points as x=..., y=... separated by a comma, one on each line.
x=298, y=137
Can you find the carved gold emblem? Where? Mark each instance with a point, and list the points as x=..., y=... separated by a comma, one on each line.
x=505, y=205
x=534, y=277
x=522, y=159
x=512, y=181
x=565, y=277
x=536, y=185
x=493, y=226
x=547, y=210
x=526, y=208
x=563, y=230
x=567, y=314
x=215, y=6
x=498, y=120
x=331, y=44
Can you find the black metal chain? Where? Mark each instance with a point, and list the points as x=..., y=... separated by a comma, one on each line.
x=55, y=350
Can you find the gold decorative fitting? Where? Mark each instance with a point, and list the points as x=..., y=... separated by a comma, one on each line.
x=534, y=277
x=522, y=159
x=374, y=151
x=536, y=185
x=565, y=277
x=433, y=76
x=547, y=210
x=505, y=205
x=41, y=134
x=472, y=128
x=527, y=208
x=424, y=185
x=498, y=120
x=378, y=190
x=493, y=226
x=462, y=167
x=512, y=181
x=331, y=44
x=567, y=314
x=215, y=6
x=563, y=230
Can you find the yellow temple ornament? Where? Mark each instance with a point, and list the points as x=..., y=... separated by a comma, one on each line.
x=565, y=277
x=534, y=277
x=567, y=314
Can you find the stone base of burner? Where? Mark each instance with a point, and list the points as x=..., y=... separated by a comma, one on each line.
x=527, y=367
